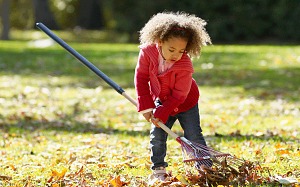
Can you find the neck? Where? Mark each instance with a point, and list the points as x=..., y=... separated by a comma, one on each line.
x=160, y=52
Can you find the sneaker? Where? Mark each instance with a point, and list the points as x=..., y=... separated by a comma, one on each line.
x=159, y=175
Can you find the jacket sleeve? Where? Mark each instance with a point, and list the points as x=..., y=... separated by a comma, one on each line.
x=141, y=81
x=163, y=111
x=182, y=86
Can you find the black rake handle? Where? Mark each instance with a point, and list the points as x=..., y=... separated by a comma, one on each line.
x=98, y=72
x=81, y=58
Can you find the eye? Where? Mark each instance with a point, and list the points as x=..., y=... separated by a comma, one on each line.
x=171, y=50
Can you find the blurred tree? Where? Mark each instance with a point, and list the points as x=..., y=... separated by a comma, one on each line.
x=131, y=15
x=66, y=12
x=228, y=20
x=5, y=6
x=90, y=14
x=43, y=13
x=21, y=14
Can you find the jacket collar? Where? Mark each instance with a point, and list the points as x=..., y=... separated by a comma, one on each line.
x=184, y=64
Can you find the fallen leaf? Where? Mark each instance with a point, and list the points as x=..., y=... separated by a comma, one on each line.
x=58, y=175
x=182, y=179
x=102, y=165
x=79, y=171
x=3, y=177
x=12, y=167
x=283, y=152
x=55, y=185
x=118, y=181
x=278, y=146
x=258, y=152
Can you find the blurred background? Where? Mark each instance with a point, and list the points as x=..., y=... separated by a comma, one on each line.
x=229, y=21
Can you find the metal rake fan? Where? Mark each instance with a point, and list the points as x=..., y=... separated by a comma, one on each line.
x=198, y=155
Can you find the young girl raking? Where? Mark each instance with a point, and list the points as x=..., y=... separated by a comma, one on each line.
x=164, y=84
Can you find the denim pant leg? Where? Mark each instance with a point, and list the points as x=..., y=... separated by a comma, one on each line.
x=190, y=123
x=158, y=146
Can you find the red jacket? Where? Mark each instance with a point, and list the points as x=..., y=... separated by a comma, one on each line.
x=175, y=88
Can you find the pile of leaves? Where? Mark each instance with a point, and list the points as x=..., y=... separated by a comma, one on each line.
x=222, y=174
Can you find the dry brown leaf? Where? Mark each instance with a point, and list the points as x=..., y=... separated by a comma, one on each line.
x=3, y=177
x=102, y=165
x=50, y=179
x=12, y=167
x=79, y=171
x=258, y=152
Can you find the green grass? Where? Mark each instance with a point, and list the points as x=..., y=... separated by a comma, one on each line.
x=55, y=114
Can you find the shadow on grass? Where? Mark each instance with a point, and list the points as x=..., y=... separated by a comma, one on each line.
x=68, y=125
x=268, y=136
x=27, y=126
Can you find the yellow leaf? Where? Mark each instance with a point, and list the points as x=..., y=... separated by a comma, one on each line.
x=59, y=175
x=278, y=146
x=54, y=173
x=116, y=182
x=182, y=179
x=13, y=167
x=283, y=152
x=55, y=185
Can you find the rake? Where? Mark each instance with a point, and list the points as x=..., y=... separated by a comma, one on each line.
x=193, y=153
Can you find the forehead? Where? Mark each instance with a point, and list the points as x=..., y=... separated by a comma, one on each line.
x=176, y=43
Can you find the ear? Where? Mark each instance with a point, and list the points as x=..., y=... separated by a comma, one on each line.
x=159, y=42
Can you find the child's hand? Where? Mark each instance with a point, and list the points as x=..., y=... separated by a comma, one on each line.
x=148, y=116
x=155, y=121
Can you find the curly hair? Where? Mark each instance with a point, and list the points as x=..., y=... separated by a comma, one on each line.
x=165, y=25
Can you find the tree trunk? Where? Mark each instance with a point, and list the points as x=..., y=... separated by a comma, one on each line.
x=43, y=14
x=5, y=19
x=90, y=14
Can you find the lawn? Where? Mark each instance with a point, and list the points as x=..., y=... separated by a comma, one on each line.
x=61, y=125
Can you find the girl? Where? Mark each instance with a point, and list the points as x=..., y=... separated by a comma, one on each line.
x=163, y=79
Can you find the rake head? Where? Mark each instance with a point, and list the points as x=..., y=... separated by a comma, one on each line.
x=213, y=167
x=198, y=155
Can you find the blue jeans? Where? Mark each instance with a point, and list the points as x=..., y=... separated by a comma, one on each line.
x=190, y=123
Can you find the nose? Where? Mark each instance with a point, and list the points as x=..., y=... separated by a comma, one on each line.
x=176, y=56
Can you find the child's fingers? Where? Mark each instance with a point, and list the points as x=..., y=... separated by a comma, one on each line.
x=147, y=116
x=155, y=121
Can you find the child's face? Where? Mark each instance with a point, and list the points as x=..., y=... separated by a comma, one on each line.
x=172, y=49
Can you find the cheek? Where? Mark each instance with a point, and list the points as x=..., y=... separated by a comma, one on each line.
x=165, y=53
